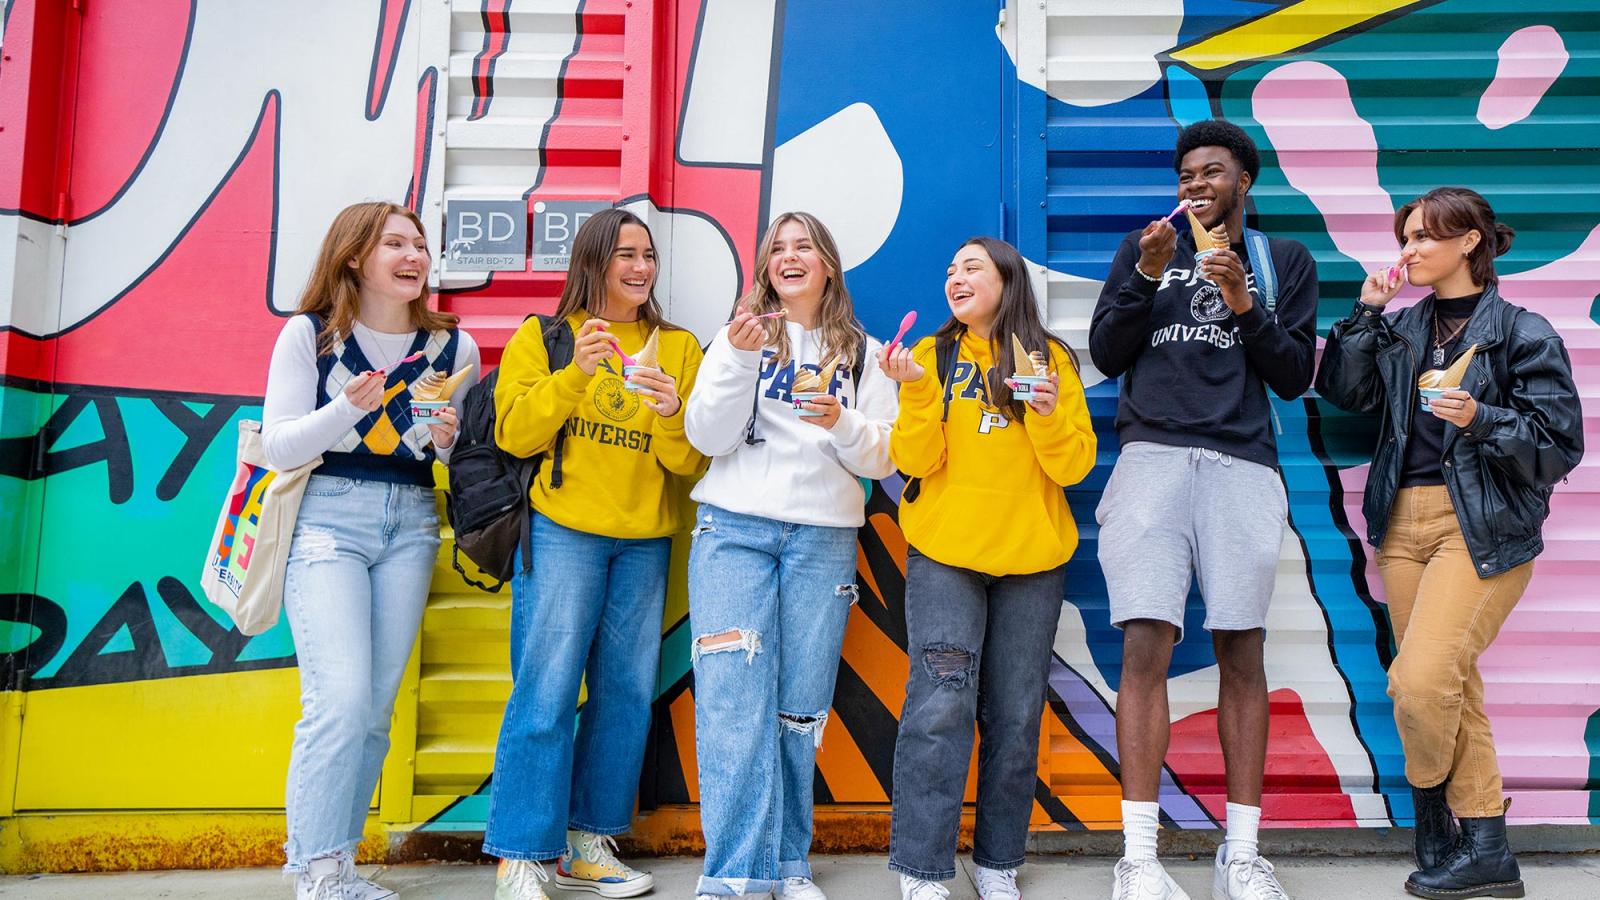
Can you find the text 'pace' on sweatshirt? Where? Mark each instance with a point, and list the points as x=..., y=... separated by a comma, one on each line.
x=991, y=496
x=618, y=459
x=1194, y=374
x=799, y=472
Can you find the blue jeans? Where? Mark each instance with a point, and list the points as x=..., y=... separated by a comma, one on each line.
x=356, y=583
x=588, y=605
x=980, y=654
x=768, y=602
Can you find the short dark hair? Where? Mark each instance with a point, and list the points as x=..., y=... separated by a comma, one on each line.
x=1450, y=212
x=1219, y=133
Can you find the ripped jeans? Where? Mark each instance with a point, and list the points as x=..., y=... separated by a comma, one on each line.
x=980, y=653
x=354, y=590
x=768, y=602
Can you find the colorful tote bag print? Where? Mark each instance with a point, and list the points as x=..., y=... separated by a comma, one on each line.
x=250, y=548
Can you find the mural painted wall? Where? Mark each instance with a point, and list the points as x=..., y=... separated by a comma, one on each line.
x=166, y=170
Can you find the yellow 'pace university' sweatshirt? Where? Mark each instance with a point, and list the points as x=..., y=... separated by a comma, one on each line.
x=619, y=459
x=991, y=496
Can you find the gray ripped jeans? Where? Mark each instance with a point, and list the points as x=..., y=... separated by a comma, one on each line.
x=979, y=647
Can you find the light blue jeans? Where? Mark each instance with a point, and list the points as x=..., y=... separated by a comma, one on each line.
x=768, y=603
x=357, y=580
x=589, y=604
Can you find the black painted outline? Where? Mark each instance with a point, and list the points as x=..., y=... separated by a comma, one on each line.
x=774, y=83
x=373, y=114
x=149, y=151
x=205, y=205
x=487, y=59
x=688, y=89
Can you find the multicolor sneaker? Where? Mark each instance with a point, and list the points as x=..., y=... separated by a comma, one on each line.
x=358, y=888
x=591, y=864
x=520, y=879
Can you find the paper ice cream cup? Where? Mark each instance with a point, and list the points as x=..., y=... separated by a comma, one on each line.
x=426, y=410
x=629, y=370
x=800, y=397
x=1429, y=395
x=1023, y=385
x=1198, y=257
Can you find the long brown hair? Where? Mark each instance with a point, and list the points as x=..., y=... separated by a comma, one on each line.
x=1018, y=314
x=591, y=257
x=1450, y=212
x=842, y=333
x=333, y=292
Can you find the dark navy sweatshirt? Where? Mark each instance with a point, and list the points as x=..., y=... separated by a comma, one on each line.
x=1193, y=373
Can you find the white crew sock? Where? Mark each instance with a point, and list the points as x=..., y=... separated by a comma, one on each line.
x=1244, y=826
x=1140, y=819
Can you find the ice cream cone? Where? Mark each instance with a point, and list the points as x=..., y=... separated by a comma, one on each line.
x=652, y=348
x=1451, y=379
x=435, y=386
x=1203, y=239
x=1021, y=360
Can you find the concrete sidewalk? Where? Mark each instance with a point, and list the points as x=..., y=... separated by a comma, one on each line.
x=1549, y=877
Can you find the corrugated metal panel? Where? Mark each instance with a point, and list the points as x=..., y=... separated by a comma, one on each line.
x=1368, y=105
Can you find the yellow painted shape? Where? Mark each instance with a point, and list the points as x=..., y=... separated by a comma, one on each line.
x=198, y=742
x=1284, y=30
x=121, y=841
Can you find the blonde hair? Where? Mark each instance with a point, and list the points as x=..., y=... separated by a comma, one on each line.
x=842, y=333
x=333, y=292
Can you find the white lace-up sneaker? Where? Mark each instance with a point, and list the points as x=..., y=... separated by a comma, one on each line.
x=1144, y=879
x=997, y=884
x=1244, y=879
x=358, y=888
x=917, y=889
x=796, y=887
x=591, y=864
x=320, y=880
x=520, y=879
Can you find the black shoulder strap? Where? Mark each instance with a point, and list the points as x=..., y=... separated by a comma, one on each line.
x=559, y=347
x=945, y=350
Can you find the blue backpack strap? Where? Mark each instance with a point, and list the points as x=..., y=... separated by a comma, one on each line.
x=1261, y=261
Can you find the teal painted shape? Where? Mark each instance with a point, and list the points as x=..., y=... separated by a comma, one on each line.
x=1591, y=739
x=121, y=642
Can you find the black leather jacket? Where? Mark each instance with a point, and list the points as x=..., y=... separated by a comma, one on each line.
x=1527, y=434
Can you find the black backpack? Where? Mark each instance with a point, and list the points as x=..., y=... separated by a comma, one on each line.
x=487, y=503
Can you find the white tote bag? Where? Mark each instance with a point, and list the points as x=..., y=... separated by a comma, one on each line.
x=250, y=547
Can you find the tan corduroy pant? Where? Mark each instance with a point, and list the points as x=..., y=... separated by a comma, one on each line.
x=1444, y=617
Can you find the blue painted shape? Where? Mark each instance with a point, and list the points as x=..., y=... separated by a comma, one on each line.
x=121, y=642
x=950, y=151
x=1186, y=95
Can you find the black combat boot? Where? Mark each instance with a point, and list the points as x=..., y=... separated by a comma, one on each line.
x=1436, y=827
x=1481, y=865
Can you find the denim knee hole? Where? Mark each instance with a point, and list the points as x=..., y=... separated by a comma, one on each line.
x=799, y=724
x=948, y=665
x=316, y=543
x=732, y=640
x=850, y=592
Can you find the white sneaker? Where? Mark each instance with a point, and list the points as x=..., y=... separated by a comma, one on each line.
x=917, y=889
x=520, y=879
x=320, y=880
x=997, y=884
x=1144, y=879
x=590, y=864
x=1245, y=879
x=796, y=887
x=358, y=888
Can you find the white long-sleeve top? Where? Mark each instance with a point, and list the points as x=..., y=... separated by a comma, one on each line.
x=293, y=430
x=800, y=473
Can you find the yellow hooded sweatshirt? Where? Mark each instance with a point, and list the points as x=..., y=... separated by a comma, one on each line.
x=619, y=459
x=991, y=489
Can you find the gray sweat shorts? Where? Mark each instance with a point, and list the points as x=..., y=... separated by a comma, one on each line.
x=1171, y=514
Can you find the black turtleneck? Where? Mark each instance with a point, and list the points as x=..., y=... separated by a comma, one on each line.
x=1425, y=447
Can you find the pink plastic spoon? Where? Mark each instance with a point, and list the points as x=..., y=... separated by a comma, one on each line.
x=1395, y=271
x=626, y=359
x=412, y=358
x=1182, y=205
x=770, y=315
x=905, y=326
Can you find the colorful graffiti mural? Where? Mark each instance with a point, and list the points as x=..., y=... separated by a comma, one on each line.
x=160, y=204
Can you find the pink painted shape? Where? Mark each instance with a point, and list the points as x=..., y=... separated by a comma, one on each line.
x=1542, y=676
x=1531, y=60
